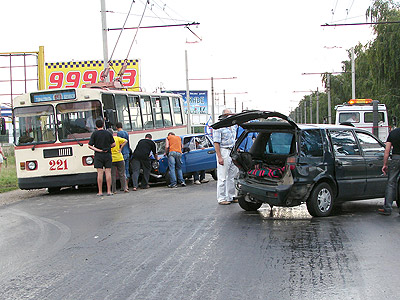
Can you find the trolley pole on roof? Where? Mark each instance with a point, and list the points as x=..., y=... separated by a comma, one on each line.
x=104, y=33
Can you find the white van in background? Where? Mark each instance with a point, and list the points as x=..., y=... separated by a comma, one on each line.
x=365, y=113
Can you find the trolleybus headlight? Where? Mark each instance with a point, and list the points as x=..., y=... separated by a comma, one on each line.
x=31, y=165
x=88, y=160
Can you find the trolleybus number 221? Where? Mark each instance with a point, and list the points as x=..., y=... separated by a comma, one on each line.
x=58, y=164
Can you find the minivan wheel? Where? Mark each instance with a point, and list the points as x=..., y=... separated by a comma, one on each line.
x=320, y=203
x=248, y=206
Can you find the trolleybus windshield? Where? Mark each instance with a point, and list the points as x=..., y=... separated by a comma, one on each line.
x=34, y=124
x=76, y=120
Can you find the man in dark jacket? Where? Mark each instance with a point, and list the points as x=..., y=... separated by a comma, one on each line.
x=141, y=159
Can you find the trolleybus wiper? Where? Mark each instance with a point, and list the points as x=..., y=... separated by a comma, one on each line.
x=76, y=140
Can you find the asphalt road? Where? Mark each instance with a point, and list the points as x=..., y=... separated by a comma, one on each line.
x=165, y=243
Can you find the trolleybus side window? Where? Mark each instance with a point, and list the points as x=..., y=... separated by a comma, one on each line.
x=145, y=104
x=110, y=114
x=135, y=112
x=35, y=124
x=155, y=102
x=176, y=104
x=77, y=120
x=121, y=105
x=166, y=111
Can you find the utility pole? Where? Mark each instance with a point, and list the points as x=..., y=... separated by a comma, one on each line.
x=104, y=33
x=353, y=75
x=317, y=122
x=328, y=87
x=189, y=125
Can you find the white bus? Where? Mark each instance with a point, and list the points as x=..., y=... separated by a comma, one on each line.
x=52, y=129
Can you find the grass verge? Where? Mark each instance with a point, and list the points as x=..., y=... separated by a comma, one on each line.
x=8, y=175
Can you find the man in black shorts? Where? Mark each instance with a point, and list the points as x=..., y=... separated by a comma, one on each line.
x=101, y=143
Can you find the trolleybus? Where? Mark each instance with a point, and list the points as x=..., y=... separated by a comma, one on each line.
x=52, y=129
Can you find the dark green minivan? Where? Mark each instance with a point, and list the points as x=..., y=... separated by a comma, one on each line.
x=317, y=164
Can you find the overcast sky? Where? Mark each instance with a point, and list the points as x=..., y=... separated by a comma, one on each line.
x=267, y=45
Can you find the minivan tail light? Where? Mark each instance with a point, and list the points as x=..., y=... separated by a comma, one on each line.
x=291, y=162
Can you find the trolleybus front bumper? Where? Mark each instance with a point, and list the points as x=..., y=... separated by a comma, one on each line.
x=57, y=181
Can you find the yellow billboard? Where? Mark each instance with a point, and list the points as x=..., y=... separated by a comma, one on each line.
x=74, y=74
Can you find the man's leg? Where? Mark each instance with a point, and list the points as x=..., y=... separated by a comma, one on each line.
x=179, y=168
x=108, y=180
x=100, y=173
x=113, y=177
x=146, y=173
x=196, y=176
x=222, y=175
x=230, y=181
x=202, y=175
x=171, y=166
x=121, y=172
x=391, y=187
x=127, y=175
x=135, y=173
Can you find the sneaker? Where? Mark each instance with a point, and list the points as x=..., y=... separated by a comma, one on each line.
x=172, y=186
x=204, y=181
x=384, y=212
x=196, y=182
x=183, y=184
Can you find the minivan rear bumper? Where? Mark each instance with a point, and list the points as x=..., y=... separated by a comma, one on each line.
x=279, y=195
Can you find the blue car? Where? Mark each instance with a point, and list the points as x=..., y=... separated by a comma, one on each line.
x=198, y=155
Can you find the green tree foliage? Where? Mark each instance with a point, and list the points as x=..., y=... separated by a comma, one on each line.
x=377, y=64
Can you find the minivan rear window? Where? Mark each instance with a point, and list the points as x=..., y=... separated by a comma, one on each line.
x=279, y=143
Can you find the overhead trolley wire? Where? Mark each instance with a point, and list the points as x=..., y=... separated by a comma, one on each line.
x=140, y=22
x=123, y=27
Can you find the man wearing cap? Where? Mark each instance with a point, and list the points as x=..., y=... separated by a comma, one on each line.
x=224, y=140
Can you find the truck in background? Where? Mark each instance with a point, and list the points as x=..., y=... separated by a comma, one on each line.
x=365, y=113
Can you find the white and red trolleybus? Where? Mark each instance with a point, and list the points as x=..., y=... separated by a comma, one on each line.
x=52, y=129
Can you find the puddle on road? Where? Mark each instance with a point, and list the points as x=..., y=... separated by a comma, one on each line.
x=284, y=213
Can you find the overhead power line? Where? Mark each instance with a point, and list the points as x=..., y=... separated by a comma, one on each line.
x=155, y=26
x=365, y=23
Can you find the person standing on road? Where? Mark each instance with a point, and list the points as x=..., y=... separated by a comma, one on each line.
x=126, y=151
x=101, y=142
x=2, y=157
x=173, y=146
x=224, y=140
x=118, y=164
x=141, y=159
x=392, y=169
x=199, y=176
